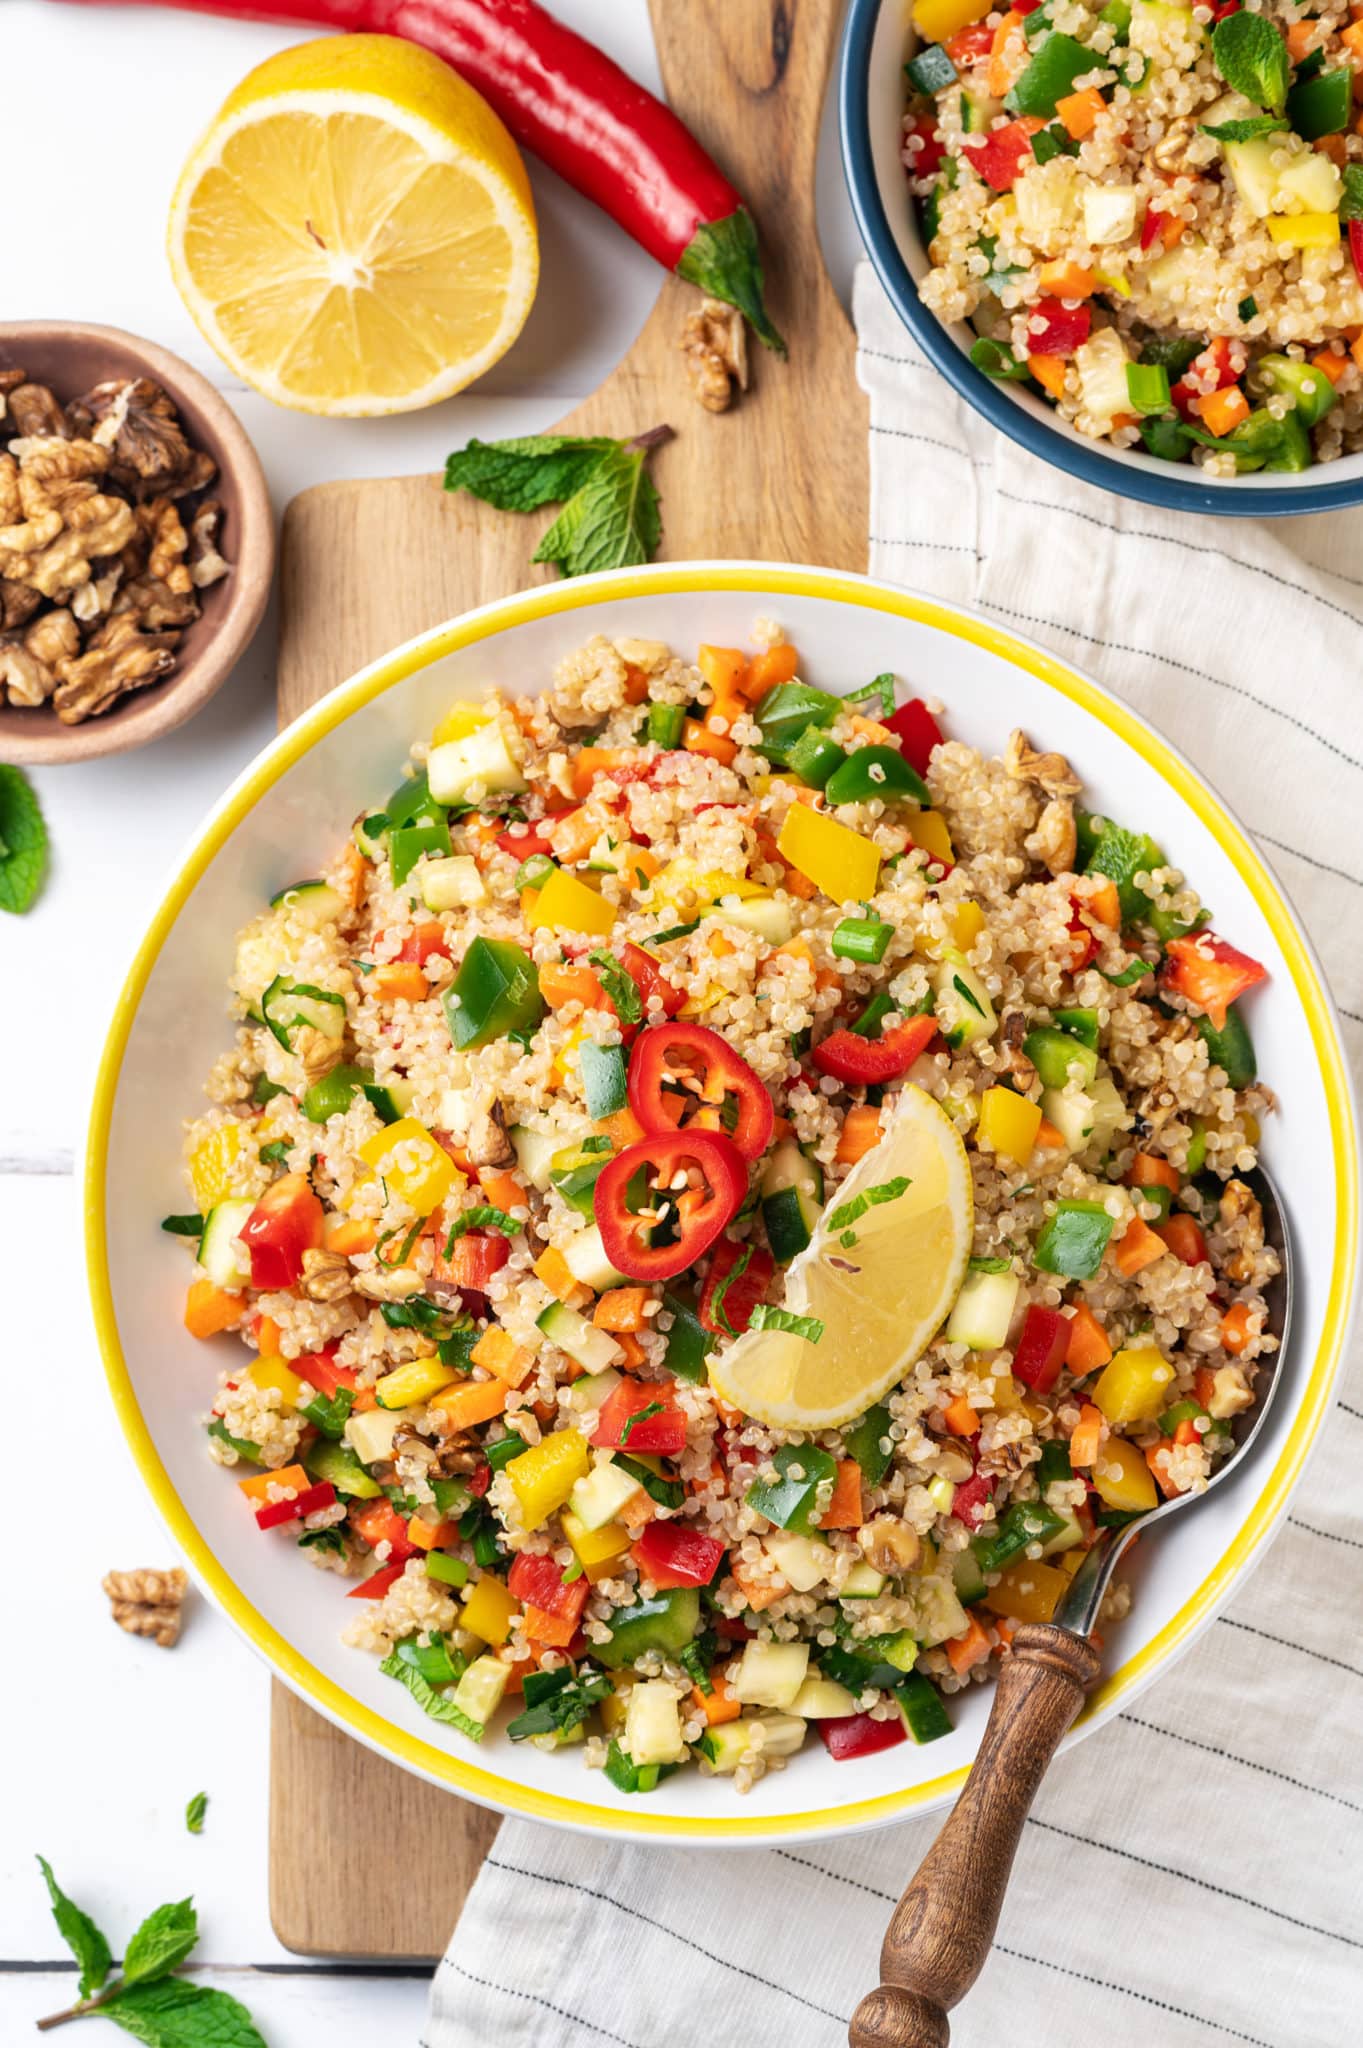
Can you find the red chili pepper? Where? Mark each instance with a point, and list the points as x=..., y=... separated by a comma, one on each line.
x=1209, y=973
x=537, y=1581
x=915, y=727
x=526, y=839
x=377, y=1584
x=867, y=1062
x=662, y=1435
x=312, y=1498
x=644, y=971
x=674, y=1554
x=1064, y=328
x=480, y=1481
x=700, y=1213
x=286, y=1222
x=1151, y=227
x=667, y=1053
x=320, y=1370
x=969, y=45
x=928, y=158
x=472, y=1261
x=574, y=107
x=1356, y=247
x=968, y=1501
x=858, y=1735
x=1042, y=1349
x=742, y=1295
x=1005, y=153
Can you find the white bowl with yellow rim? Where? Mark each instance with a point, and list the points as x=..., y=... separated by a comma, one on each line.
x=285, y=816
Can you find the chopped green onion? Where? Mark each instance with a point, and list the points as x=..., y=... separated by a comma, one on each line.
x=863, y=939
x=1147, y=386
x=533, y=872
x=665, y=722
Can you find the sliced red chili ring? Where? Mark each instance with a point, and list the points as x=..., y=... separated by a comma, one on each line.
x=669, y=1056
x=699, y=1214
x=866, y=1062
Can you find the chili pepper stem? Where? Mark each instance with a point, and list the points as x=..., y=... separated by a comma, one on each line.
x=721, y=257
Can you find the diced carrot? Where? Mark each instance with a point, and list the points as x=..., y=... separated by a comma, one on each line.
x=698, y=740
x=725, y=669
x=1049, y=372
x=402, y=981
x=1148, y=1170
x=717, y=1705
x=574, y=835
x=622, y=1127
x=638, y=866
x=498, y=1353
x=502, y=1189
x=1334, y=147
x=1065, y=280
x=1138, y=1249
x=564, y=981
x=1299, y=39
x=481, y=837
x=267, y=1336
x=257, y=1487
x=555, y=1631
x=553, y=1269
x=1157, y=1458
x=1352, y=38
x=636, y=1512
x=352, y=875
x=634, y=1352
x=1005, y=62
x=1105, y=905
x=731, y=1417
x=365, y=1399
x=859, y=1135
x=1088, y=1434
x=719, y=946
x=349, y=1234
x=589, y=762
x=772, y=666
x=844, y=1510
x=431, y=1535
x=1079, y=111
x=1329, y=364
x=1235, y=1328
x=1048, y=1137
x=967, y=1650
x=622, y=1308
x=781, y=1127
x=1089, y=1347
x=871, y=729
x=1183, y=1237
x=210, y=1310
x=636, y=683
x=1172, y=229
x=757, y=1594
x=961, y=1418
x=518, y=1671
x=468, y=1403
x=1222, y=410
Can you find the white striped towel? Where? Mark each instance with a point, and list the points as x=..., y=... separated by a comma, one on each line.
x=1193, y=1875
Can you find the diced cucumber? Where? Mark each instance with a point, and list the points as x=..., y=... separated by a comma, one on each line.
x=937, y=1611
x=1110, y=1113
x=585, y=1257
x=593, y=1349
x=482, y=760
x=535, y=1150
x=453, y=883
x=599, y=1497
x=1067, y=1536
x=964, y=1010
x=921, y=1710
x=1252, y=167
x=792, y=1195
x=771, y=1674
x=969, y=1579
x=1312, y=180
x=823, y=1699
x=765, y=916
x=667, y=1622
x=803, y=1561
x=725, y=1747
x=369, y=833
x=371, y=1434
x=591, y=1390
x=262, y=955
x=311, y=903
x=984, y=1309
x=479, y=1692
x=392, y=1099
x=978, y=112
x=1101, y=362
x=1109, y=213
x=1055, y=1053
x=220, y=1254
x=286, y=1005
x=1072, y=1114
x=863, y=1582
x=653, y=1732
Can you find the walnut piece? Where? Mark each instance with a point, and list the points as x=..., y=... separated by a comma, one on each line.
x=1055, y=840
x=148, y=1603
x=137, y=422
x=1012, y=1031
x=488, y=1142
x=326, y=1275
x=316, y=1053
x=714, y=348
x=890, y=1546
x=67, y=521
x=116, y=660
x=398, y=1285
x=29, y=680
x=34, y=410
x=206, y=565
x=1231, y=1393
x=1050, y=772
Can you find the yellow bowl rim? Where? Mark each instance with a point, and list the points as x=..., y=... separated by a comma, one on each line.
x=664, y=578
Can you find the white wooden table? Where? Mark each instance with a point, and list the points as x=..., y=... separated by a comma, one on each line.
x=106, y=1737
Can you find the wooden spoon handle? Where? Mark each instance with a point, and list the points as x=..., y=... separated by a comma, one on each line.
x=942, y=1928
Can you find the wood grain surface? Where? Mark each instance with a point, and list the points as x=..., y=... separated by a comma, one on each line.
x=939, y=1938
x=783, y=477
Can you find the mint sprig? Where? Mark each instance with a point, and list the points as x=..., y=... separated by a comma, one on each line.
x=610, y=517
x=23, y=841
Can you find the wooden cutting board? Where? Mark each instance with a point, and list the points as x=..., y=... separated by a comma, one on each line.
x=782, y=476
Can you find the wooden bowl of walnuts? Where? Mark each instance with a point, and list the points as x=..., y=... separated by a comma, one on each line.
x=136, y=541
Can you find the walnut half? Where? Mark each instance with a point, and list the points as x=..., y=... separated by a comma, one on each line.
x=714, y=346
x=1051, y=773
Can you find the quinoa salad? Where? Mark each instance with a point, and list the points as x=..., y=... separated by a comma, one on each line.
x=1152, y=214
x=718, y=1192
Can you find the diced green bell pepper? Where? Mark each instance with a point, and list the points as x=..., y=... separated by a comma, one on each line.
x=863, y=1442
x=603, y=1078
x=495, y=992
x=875, y=771
x=339, y=1464
x=1081, y=1024
x=407, y=843
x=1230, y=1048
x=1121, y=856
x=665, y=722
x=1056, y=62
x=689, y=1343
x=1026, y=1521
x=814, y=756
x=789, y=1501
x=1321, y=105
x=333, y=1094
x=1072, y=1242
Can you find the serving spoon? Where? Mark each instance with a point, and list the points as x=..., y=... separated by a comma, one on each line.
x=943, y=1926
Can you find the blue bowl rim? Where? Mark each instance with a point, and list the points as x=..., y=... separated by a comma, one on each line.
x=1176, y=493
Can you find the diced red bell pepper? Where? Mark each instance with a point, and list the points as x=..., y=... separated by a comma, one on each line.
x=867, y=1062
x=1151, y=228
x=929, y=157
x=644, y=971
x=472, y=1261
x=742, y=1295
x=526, y=839
x=1183, y=1238
x=377, y=1584
x=669, y=1052
x=969, y=45
x=662, y=1435
x=968, y=1502
x=1005, y=153
x=676, y=1554
x=423, y=941
x=701, y=1212
x=323, y=1495
x=479, y=1481
x=1356, y=247
x=378, y=1521
x=1085, y=940
x=286, y=1222
x=914, y=726
x=858, y=1735
x=1064, y=328
x=320, y=1370
x=1209, y=974
x=1221, y=8
x=1214, y=361
x=537, y=1581
x=1042, y=1348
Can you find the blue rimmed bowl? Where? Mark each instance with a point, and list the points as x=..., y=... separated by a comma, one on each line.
x=878, y=38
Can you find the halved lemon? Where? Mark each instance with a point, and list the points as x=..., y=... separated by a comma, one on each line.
x=355, y=234
x=880, y=1276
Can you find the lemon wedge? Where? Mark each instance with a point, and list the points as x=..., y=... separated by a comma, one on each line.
x=355, y=234
x=881, y=1281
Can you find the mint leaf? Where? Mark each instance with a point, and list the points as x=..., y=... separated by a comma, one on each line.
x=80, y=1934
x=1252, y=58
x=198, y=1805
x=869, y=1198
x=522, y=474
x=173, y=2014
x=765, y=1318
x=1245, y=131
x=1351, y=205
x=619, y=986
x=163, y=1940
x=23, y=841
x=611, y=522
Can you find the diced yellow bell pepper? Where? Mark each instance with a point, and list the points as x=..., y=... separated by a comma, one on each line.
x=929, y=830
x=565, y=1059
x=935, y=20
x=565, y=904
x=275, y=1372
x=833, y=857
x=544, y=1476
x=1028, y=1592
x=413, y=1382
x=967, y=923
x=595, y=1549
x=706, y=885
x=1304, y=230
x=614, y=1707
x=488, y=1610
x=1007, y=1393
x=459, y=721
x=1122, y=1477
x=415, y=1167
x=1133, y=1386
x=215, y=1166
x=1010, y=1123
x=697, y=1005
